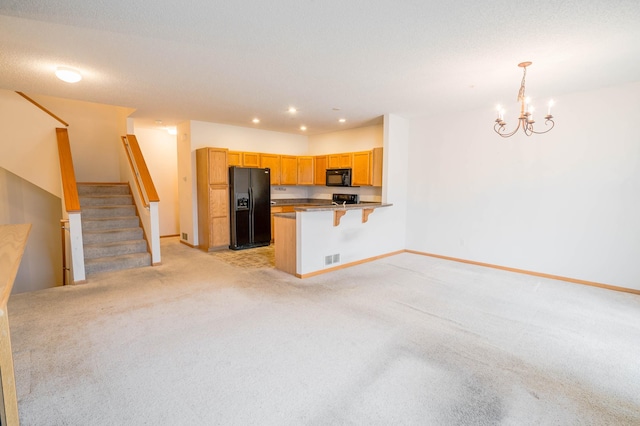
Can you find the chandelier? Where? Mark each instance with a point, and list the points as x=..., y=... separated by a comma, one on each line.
x=525, y=121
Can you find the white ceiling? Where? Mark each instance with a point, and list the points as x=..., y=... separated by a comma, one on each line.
x=229, y=61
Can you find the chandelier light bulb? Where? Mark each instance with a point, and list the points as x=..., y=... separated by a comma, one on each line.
x=68, y=75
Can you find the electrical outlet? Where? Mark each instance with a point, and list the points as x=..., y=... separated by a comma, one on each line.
x=185, y=236
x=328, y=260
x=336, y=258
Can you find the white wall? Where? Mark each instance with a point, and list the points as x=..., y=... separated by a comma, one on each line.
x=161, y=155
x=94, y=135
x=28, y=147
x=565, y=203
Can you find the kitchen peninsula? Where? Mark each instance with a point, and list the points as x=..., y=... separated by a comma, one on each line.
x=314, y=239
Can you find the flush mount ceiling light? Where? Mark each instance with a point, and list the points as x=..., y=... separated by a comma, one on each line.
x=255, y=121
x=292, y=110
x=525, y=121
x=342, y=120
x=68, y=75
x=303, y=128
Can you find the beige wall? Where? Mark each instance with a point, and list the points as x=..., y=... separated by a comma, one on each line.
x=161, y=155
x=360, y=139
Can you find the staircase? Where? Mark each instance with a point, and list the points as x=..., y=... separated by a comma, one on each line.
x=111, y=232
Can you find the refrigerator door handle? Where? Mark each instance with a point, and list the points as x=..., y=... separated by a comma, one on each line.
x=251, y=216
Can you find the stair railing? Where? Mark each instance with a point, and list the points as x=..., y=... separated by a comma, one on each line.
x=146, y=195
x=72, y=208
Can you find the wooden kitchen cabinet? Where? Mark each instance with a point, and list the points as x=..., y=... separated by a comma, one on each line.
x=271, y=161
x=274, y=210
x=305, y=170
x=340, y=161
x=288, y=170
x=361, y=171
x=320, y=170
x=212, y=183
x=234, y=158
x=250, y=159
x=376, y=167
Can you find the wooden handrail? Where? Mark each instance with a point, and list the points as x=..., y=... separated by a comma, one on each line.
x=143, y=170
x=69, y=187
x=13, y=239
x=64, y=123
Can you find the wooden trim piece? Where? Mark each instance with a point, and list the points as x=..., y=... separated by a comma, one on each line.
x=524, y=271
x=145, y=176
x=348, y=265
x=365, y=214
x=169, y=236
x=337, y=215
x=13, y=240
x=64, y=123
x=81, y=282
x=69, y=186
x=187, y=244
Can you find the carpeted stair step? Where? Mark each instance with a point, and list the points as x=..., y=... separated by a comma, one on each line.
x=108, y=211
x=103, y=189
x=116, y=248
x=111, y=235
x=98, y=223
x=117, y=263
x=106, y=200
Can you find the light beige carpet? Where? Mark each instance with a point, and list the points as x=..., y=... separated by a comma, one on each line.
x=403, y=340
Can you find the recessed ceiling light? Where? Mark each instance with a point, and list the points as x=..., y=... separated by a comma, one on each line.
x=303, y=128
x=255, y=120
x=342, y=120
x=292, y=110
x=68, y=75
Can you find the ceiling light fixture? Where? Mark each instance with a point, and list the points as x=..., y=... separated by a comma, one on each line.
x=68, y=75
x=292, y=110
x=525, y=121
x=342, y=120
x=255, y=120
x=303, y=128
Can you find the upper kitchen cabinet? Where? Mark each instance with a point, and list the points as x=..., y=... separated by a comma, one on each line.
x=234, y=158
x=362, y=165
x=250, y=159
x=367, y=168
x=320, y=170
x=271, y=161
x=305, y=171
x=376, y=167
x=288, y=170
x=340, y=161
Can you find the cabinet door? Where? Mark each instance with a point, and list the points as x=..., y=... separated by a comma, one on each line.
x=288, y=170
x=320, y=170
x=218, y=216
x=234, y=158
x=271, y=161
x=305, y=171
x=361, y=168
x=340, y=161
x=376, y=168
x=218, y=174
x=250, y=159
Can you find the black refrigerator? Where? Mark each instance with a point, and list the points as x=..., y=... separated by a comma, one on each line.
x=250, y=201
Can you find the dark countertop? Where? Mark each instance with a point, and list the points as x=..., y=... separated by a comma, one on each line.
x=298, y=202
x=312, y=202
x=328, y=207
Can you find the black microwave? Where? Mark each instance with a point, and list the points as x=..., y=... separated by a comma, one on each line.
x=338, y=177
